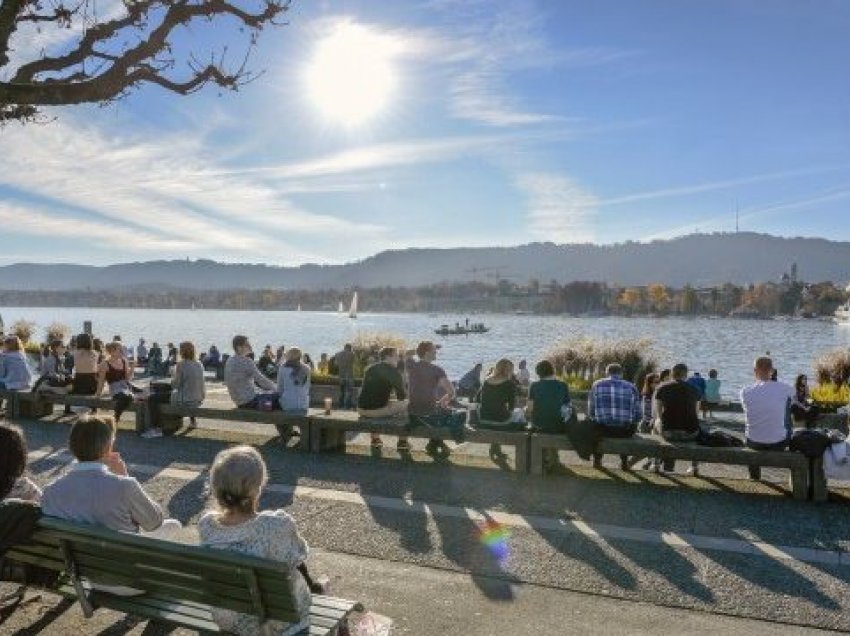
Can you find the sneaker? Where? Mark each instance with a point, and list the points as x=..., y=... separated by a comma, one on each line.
x=151, y=433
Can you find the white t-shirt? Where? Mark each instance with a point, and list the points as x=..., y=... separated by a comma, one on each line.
x=766, y=408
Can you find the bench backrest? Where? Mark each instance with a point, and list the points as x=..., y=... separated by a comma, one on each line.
x=180, y=572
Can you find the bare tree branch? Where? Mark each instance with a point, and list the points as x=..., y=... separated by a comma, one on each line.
x=91, y=72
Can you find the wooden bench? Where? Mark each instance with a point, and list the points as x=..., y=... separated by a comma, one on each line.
x=277, y=418
x=327, y=433
x=182, y=584
x=29, y=405
x=804, y=473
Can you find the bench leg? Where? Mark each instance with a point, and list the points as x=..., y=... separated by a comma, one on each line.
x=332, y=441
x=820, y=492
x=800, y=483
x=523, y=452
x=535, y=452
x=315, y=437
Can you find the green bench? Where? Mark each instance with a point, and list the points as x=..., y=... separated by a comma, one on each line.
x=182, y=584
x=328, y=433
x=807, y=476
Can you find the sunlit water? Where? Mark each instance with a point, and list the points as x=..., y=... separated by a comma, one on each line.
x=727, y=345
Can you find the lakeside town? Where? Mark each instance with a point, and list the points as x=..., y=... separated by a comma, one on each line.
x=787, y=297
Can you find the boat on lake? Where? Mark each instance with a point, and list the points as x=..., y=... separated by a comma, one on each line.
x=842, y=314
x=461, y=330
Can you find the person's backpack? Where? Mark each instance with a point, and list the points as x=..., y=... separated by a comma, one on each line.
x=17, y=522
x=718, y=438
x=811, y=442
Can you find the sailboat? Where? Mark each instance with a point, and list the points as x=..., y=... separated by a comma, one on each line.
x=352, y=310
x=299, y=306
x=341, y=308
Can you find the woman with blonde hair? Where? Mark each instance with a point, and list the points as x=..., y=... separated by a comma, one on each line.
x=15, y=373
x=188, y=385
x=497, y=403
x=237, y=479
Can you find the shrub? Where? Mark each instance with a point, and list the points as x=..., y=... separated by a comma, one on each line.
x=833, y=367
x=24, y=329
x=581, y=361
x=57, y=331
x=367, y=345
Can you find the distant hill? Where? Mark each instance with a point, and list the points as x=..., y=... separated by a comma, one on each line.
x=697, y=259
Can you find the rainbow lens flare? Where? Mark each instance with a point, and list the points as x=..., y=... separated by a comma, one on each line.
x=494, y=536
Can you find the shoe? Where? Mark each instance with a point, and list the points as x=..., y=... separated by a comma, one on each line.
x=151, y=433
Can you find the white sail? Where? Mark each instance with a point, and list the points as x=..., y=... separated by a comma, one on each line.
x=299, y=306
x=341, y=308
x=352, y=310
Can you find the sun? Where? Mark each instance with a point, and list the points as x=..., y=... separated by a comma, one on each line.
x=351, y=77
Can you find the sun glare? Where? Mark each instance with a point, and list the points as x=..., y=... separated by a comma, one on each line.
x=351, y=77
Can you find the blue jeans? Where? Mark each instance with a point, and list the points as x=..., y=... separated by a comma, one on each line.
x=254, y=403
x=346, y=393
x=454, y=420
x=755, y=471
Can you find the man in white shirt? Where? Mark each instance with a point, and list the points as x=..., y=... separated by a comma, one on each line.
x=766, y=406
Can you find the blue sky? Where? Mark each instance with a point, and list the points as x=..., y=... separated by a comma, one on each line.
x=385, y=125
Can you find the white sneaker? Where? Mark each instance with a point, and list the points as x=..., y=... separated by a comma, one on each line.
x=151, y=433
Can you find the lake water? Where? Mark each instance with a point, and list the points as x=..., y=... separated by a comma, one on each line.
x=727, y=345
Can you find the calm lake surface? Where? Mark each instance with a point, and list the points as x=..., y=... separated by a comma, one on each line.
x=727, y=345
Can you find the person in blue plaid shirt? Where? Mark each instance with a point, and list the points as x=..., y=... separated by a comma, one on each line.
x=614, y=406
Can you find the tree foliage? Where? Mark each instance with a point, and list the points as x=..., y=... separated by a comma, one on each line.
x=99, y=56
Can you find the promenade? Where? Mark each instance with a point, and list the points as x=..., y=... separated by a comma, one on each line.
x=596, y=551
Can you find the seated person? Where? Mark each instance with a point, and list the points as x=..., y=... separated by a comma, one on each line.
x=767, y=425
x=677, y=409
x=14, y=484
x=242, y=377
x=431, y=393
x=120, y=504
x=470, y=384
x=712, y=393
x=614, y=406
x=293, y=385
x=548, y=400
x=802, y=408
x=497, y=404
x=116, y=372
x=55, y=377
x=142, y=353
x=213, y=358
x=15, y=373
x=380, y=381
x=237, y=479
x=188, y=384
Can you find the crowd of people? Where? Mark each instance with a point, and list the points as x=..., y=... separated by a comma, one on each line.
x=403, y=386
x=406, y=387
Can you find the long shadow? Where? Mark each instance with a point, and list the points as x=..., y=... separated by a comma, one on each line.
x=578, y=547
x=42, y=625
x=773, y=576
x=411, y=527
x=462, y=544
x=189, y=500
x=666, y=562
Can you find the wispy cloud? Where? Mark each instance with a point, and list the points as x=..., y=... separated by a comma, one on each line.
x=723, y=184
x=559, y=209
x=171, y=188
x=34, y=221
